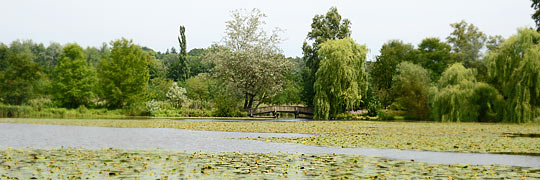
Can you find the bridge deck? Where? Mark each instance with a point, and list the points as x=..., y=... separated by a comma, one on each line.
x=275, y=109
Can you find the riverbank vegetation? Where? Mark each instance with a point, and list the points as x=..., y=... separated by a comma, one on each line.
x=452, y=137
x=468, y=77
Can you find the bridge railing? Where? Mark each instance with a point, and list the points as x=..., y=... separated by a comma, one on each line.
x=273, y=109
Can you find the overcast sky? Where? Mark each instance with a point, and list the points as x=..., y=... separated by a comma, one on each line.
x=155, y=23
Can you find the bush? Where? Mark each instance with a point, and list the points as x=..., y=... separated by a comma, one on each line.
x=136, y=109
x=226, y=106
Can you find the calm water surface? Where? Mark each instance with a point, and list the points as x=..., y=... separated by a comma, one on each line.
x=48, y=136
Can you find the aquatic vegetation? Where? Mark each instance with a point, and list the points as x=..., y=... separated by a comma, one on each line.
x=453, y=137
x=74, y=163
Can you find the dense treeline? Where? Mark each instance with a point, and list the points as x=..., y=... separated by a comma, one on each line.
x=246, y=68
x=469, y=76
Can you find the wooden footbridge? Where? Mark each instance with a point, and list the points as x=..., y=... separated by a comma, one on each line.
x=296, y=110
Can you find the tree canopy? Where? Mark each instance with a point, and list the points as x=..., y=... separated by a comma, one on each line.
x=467, y=40
x=124, y=74
x=384, y=68
x=411, y=85
x=19, y=79
x=514, y=68
x=249, y=59
x=536, y=15
x=461, y=98
x=435, y=55
x=341, y=77
x=324, y=27
x=74, y=81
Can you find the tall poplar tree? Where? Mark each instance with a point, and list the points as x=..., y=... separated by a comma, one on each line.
x=179, y=69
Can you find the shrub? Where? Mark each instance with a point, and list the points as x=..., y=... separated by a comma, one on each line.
x=225, y=106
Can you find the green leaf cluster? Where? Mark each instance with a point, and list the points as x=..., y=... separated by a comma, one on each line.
x=411, y=84
x=324, y=27
x=392, y=53
x=124, y=74
x=461, y=98
x=514, y=68
x=74, y=80
x=341, y=77
x=20, y=78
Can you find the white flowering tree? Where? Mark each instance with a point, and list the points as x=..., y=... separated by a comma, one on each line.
x=176, y=95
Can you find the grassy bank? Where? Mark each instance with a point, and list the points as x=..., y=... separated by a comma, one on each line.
x=23, y=111
x=38, y=112
x=70, y=163
x=452, y=137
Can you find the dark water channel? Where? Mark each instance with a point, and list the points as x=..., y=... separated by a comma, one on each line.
x=49, y=136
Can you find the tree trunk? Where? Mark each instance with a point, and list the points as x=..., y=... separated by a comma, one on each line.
x=261, y=100
x=250, y=103
x=246, y=99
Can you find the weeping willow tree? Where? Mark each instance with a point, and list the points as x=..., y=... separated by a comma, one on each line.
x=514, y=68
x=341, y=77
x=461, y=98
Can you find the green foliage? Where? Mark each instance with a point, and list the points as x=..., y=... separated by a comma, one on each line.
x=201, y=89
x=124, y=74
x=250, y=60
x=19, y=79
x=392, y=53
x=467, y=41
x=460, y=98
x=292, y=88
x=456, y=74
x=411, y=85
x=290, y=95
x=156, y=69
x=198, y=63
x=324, y=27
x=341, y=78
x=158, y=88
x=514, y=69
x=494, y=42
x=74, y=80
x=536, y=16
x=4, y=50
x=226, y=106
x=434, y=55
x=25, y=111
x=179, y=69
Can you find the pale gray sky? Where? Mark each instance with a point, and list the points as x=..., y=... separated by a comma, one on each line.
x=155, y=23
